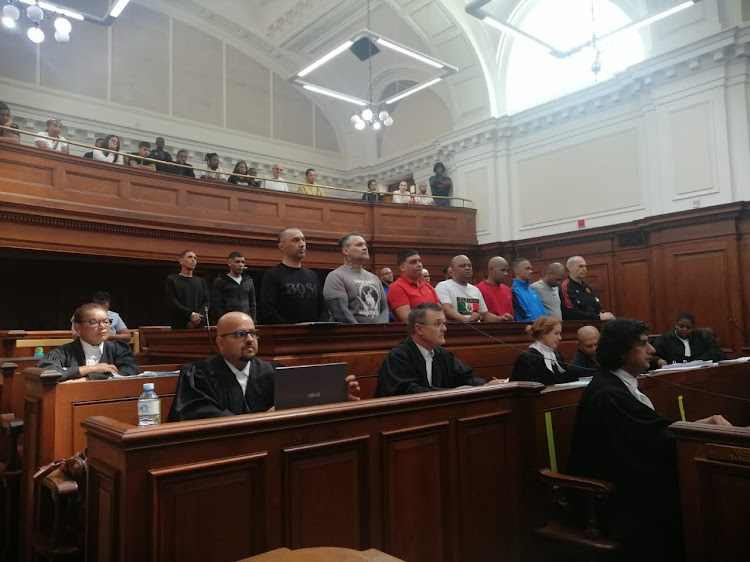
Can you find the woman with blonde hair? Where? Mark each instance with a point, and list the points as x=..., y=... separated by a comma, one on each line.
x=541, y=362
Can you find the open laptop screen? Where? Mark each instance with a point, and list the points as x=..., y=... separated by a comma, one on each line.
x=310, y=385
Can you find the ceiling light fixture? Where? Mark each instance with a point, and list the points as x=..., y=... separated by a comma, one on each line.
x=38, y=12
x=364, y=45
x=118, y=8
x=476, y=9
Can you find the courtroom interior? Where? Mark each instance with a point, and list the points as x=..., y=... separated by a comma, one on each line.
x=456, y=200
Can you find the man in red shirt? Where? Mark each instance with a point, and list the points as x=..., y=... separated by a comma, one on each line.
x=497, y=295
x=409, y=290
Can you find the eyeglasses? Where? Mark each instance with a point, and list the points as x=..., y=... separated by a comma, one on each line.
x=95, y=323
x=242, y=334
x=437, y=324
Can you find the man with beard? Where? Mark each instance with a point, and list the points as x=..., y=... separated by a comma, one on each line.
x=234, y=381
x=353, y=294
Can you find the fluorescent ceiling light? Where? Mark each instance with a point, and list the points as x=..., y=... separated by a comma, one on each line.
x=118, y=8
x=409, y=53
x=28, y=1
x=413, y=90
x=333, y=94
x=46, y=6
x=649, y=20
x=325, y=58
x=72, y=14
x=518, y=33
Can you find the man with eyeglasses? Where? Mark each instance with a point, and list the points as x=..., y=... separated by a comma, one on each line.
x=93, y=355
x=420, y=363
x=276, y=184
x=234, y=381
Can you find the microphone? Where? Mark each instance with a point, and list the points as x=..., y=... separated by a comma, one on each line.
x=736, y=327
x=208, y=330
x=473, y=327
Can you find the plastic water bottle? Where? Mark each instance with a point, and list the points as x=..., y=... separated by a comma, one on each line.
x=149, y=406
x=39, y=352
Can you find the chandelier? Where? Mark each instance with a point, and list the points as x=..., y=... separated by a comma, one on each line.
x=37, y=12
x=364, y=45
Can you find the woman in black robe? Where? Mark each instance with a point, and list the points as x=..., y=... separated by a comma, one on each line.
x=541, y=362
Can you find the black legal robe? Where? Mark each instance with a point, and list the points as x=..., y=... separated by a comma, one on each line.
x=530, y=366
x=703, y=346
x=68, y=358
x=582, y=365
x=619, y=439
x=404, y=371
x=209, y=389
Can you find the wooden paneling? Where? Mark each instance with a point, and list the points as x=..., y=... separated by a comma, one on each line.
x=633, y=287
x=341, y=467
x=234, y=487
x=417, y=508
x=714, y=465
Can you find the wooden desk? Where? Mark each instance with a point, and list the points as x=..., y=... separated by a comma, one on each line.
x=322, y=554
x=427, y=477
x=714, y=465
x=363, y=346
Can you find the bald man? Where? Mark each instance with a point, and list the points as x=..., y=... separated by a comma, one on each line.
x=462, y=301
x=584, y=361
x=547, y=288
x=234, y=381
x=578, y=300
x=277, y=183
x=497, y=294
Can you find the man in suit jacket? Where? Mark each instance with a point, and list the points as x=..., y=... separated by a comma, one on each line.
x=92, y=355
x=619, y=437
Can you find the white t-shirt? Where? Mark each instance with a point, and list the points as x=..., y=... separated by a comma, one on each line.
x=57, y=144
x=423, y=199
x=464, y=299
x=108, y=157
x=217, y=174
x=275, y=185
x=399, y=197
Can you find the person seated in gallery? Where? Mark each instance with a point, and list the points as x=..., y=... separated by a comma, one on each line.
x=52, y=139
x=98, y=143
x=136, y=159
x=253, y=173
x=117, y=328
x=184, y=169
x=239, y=174
x=372, y=192
x=686, y=343
x=234, y=381
x=7, y=121
x=309, y=187
x=93, y=355
x=421, y=197
x=620, y=438
x=212, y=163
x=158, y=153
x=420, y=363
x=541, y=362
x=111, y=142
x=402, y=195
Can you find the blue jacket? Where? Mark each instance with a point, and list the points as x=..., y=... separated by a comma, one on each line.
x=527, y=306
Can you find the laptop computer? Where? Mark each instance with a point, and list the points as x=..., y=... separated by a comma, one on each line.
x=310, y=385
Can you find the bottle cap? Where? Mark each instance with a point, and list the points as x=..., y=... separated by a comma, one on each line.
x=148, y=386
x=38, y=349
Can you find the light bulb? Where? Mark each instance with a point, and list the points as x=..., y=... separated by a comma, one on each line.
x=359, y=125
x=388, y=122
x=63, y=26
x=9, y=22
x=376, y=125
x=355, y=119
x=35, y=13
x=383, y=115
x=367, y=114
x=35, y=34
x=61, y=37
x=11, y=12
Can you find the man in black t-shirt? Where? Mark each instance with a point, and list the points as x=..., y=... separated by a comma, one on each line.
x=143, y=151
x=160, y=154
x=290, y=293
x=179, y=170
x=187, y=295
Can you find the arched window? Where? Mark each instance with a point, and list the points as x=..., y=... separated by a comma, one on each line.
x=533, y=76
